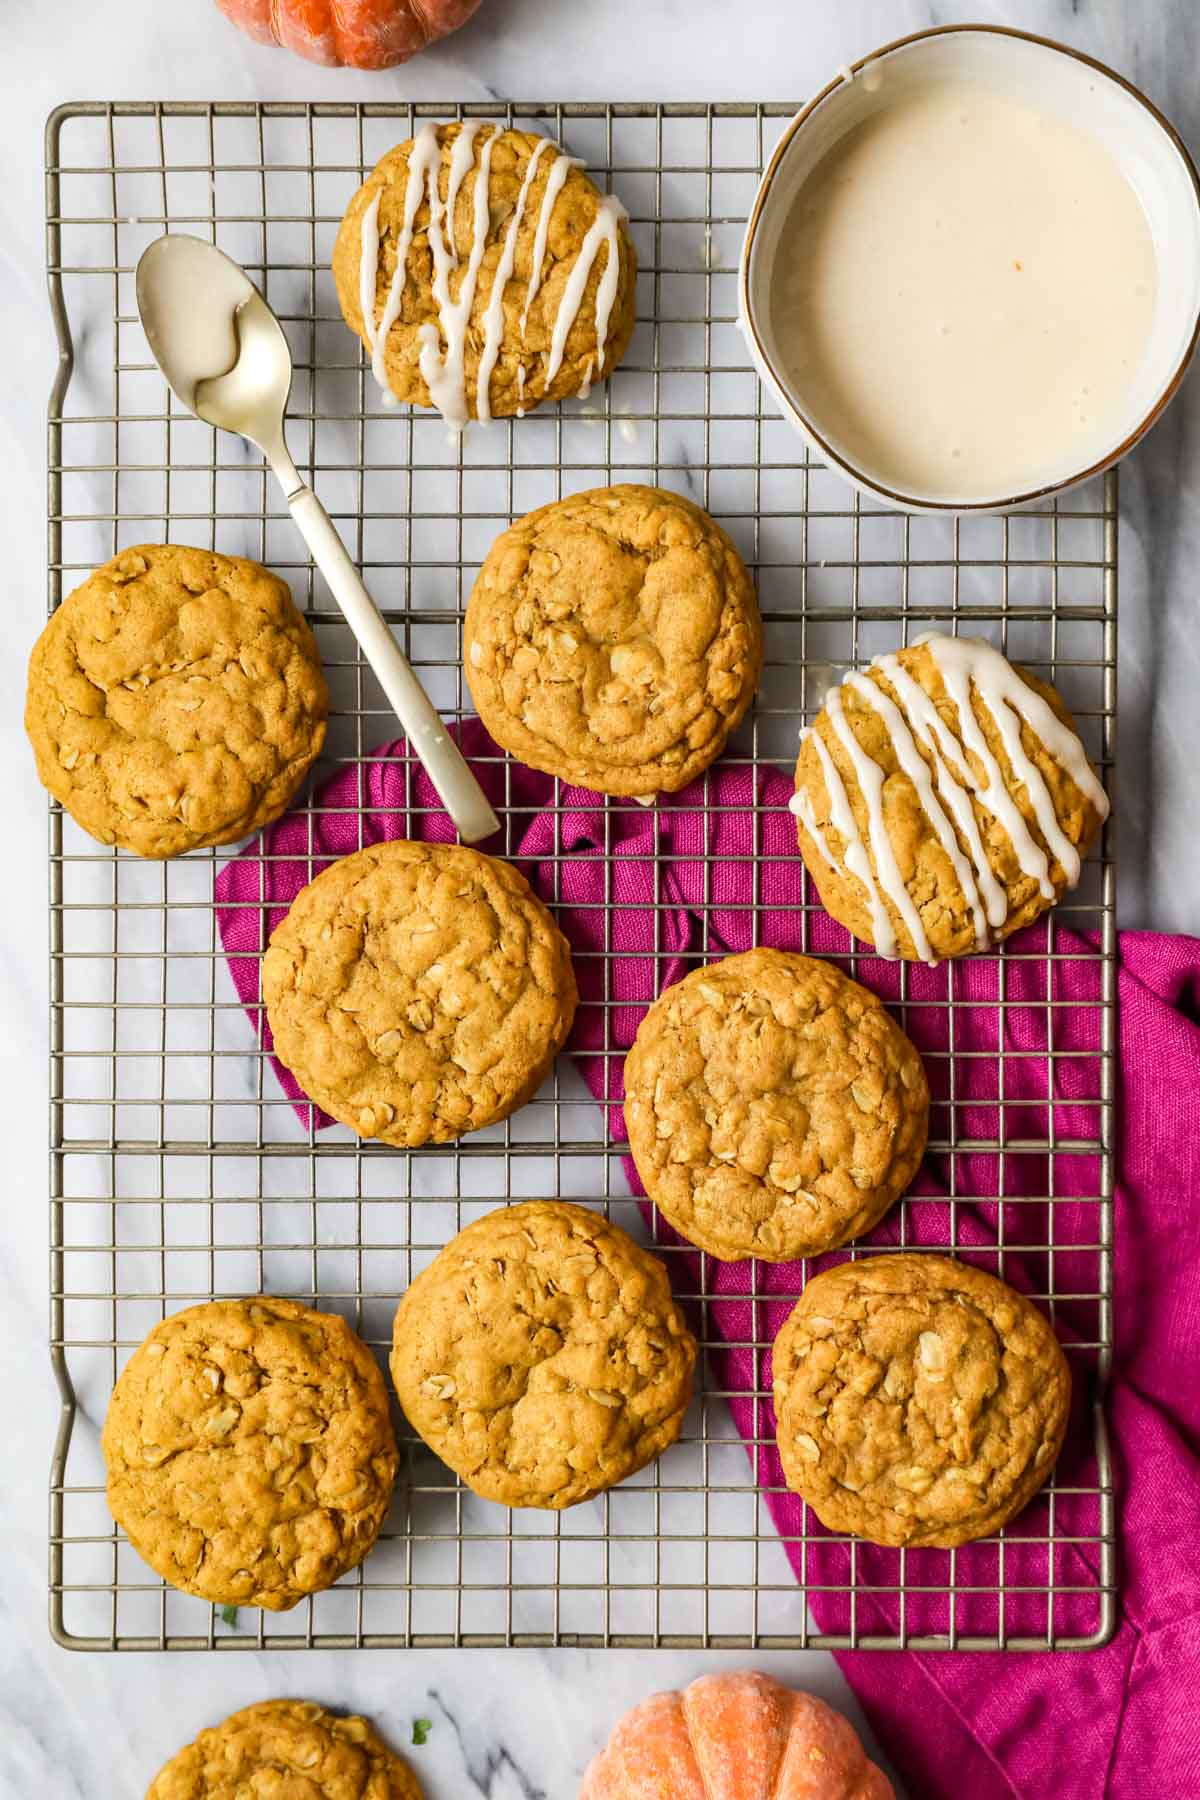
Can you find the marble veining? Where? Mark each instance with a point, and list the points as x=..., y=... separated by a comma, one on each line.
x=509, y=1725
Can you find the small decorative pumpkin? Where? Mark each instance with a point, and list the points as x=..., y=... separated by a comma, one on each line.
x=739, y=1736
x=359, y=34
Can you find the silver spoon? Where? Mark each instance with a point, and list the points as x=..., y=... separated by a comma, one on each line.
x=226, y=359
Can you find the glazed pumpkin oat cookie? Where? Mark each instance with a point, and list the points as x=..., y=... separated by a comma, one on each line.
x=250, y=1452
x=943, y=800
x=541, y=1355
x=485, y=273
x=774, y=1108
x=613, y=639
x=284, y=1748
x=919, y=1400
x=418, y=991
x=175, y=700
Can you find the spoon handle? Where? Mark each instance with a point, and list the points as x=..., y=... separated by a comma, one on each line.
x=440, y=757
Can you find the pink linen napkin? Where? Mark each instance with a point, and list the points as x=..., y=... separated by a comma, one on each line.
x=960, y=1727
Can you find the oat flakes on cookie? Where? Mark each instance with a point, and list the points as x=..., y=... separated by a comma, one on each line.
x=613, y=639
x=943, y=800
x=418, y=991
x=918, y=1400
x=286, y=1750
x=175, y=700
x=250, y=1452
x=485, y=272
x=541, y=1355
x=774, y=1108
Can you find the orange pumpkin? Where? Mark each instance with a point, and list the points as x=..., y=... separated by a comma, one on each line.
x=362, y=34
x=740, y=1736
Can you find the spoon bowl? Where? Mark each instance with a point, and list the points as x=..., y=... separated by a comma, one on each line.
x=226, y=359
x=251, y=398
x=188, y=294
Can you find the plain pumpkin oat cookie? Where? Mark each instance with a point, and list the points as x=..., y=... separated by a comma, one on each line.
x=613, y=639
x=918, y=1400
x=774, y=1107
x=541, y=1355
x=250, y=1451
x=418, y=991
x=286, y=1750
x=175, y=700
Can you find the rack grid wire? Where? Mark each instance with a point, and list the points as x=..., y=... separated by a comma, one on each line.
x=178, y=1168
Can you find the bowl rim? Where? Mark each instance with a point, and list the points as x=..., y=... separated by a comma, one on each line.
x=860, y=477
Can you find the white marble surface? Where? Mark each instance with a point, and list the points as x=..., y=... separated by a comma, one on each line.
x=513, y=1724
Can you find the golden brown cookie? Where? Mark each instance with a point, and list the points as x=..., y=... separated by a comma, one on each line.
x=418, y=991
x=943, y=800
x=774, y=1108
x=288, y=1750
x=918, y=1400
x=175, y=699
x=613, y=639
x=249, y=1450
x=565, y=310
x=541, y=1355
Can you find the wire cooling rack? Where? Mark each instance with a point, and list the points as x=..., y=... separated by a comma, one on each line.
x=179, y=1171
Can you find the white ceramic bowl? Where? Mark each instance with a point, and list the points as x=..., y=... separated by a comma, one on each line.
x=1062, y=82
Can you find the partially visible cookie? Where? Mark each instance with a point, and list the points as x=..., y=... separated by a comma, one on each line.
x=918, y=1400
x=418, y=991
x=943, y=799
x=175, y=700
x=286, y=1750
x=542, y=1356
x=613, y=638
x=485, y=273
x=774, y=1108
x=250, y=1451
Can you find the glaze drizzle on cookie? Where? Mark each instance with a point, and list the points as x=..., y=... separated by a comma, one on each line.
x=444, y=371
x=944, y=767
x=493, y=318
